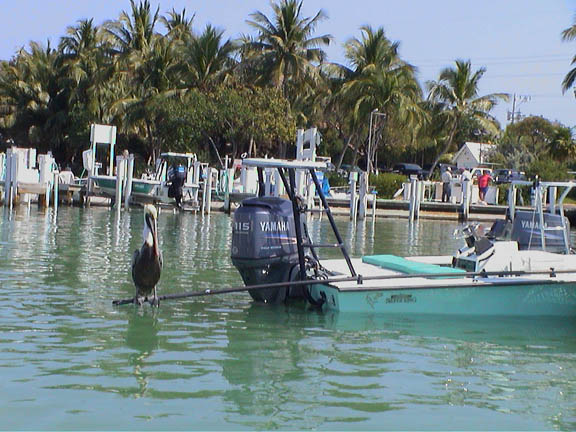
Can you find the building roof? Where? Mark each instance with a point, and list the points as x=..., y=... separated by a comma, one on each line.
x=479, y=151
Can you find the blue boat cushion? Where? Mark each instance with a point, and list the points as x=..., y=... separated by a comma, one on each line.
x=396, y=263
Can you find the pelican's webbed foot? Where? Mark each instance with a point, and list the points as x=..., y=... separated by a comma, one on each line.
x=154, y=301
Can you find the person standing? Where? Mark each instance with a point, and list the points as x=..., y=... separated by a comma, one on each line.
x=483, y=182
x=446, y=185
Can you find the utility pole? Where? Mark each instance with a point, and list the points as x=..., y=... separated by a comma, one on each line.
x=517, y=115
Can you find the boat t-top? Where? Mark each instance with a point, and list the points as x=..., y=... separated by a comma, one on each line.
x=523, y=267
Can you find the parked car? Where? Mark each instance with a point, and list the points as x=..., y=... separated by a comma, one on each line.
x=408, y=169
x=507, y=175
x=478, y=171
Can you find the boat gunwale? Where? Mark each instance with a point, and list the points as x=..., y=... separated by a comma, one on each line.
x=474, y=284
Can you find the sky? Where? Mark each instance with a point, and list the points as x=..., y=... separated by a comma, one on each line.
x=517, y=41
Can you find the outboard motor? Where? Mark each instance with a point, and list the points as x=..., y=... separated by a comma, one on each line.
x=177, y=178
x=264, y=248
x=525, y=230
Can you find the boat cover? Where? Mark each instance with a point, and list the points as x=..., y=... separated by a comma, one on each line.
x=396, y=263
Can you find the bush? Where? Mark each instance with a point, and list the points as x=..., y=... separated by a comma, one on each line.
x=547, y=170
x=336, y=179
x=386, y=184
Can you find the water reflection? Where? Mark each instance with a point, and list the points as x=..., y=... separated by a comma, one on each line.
x=226, y=363
x=142, y=337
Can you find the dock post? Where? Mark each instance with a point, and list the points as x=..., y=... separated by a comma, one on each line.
x=419, y=193
x=552, y=192
x=268, y=182
x=208, y=189
x=374, y=196
x=353, y=176
x=229, y=184
x=8, y=179
x=362, y=195
x=204, y=183
x=119, y=180
x=55, y=188
x=412, y=211
x=512, y=201
x=130, y=176
x=465, y=199
x=14, y=178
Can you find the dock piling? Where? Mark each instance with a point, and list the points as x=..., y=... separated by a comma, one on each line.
x=414, y=206
x=353, y=198
x=120, y=161
x=362, y=195
x=129, y=177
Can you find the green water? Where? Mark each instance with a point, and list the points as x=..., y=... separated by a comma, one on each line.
x=70, y=360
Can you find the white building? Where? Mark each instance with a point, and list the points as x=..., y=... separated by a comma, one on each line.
x=472, y=154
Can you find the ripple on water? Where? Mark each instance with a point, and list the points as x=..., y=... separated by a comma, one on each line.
x=69, y=360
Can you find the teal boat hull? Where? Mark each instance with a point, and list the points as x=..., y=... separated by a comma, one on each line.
x=525, y=298
x=108, y=186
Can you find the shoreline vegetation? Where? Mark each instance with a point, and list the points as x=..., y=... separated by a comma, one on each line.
x=169, y=85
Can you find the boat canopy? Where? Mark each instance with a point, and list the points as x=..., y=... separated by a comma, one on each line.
x=283, y=163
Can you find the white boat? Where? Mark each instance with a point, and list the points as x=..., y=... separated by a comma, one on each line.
x=527, y=272
x=168, y=165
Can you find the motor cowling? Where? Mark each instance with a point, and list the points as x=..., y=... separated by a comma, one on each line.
x=176, y=179
x=264, y=247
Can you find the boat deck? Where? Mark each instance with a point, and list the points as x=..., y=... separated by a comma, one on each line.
x=397, y=280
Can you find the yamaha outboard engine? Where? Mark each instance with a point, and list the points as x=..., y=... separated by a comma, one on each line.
x=264, y=248
x=526, y=231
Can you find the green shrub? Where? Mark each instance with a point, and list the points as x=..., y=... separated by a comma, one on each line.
x=337, y=180
x=547, y=170
x=386, y=184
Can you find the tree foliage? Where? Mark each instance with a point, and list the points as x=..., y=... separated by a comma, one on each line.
x=169, y=86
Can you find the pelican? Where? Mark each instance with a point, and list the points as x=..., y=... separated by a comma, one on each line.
x=147, y=261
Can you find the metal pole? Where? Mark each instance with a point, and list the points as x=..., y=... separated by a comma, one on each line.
x=332, y=222
x=298, y=226
x=369, y=162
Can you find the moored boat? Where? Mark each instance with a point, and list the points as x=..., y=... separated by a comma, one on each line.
x=525, y=267
x=140, y=187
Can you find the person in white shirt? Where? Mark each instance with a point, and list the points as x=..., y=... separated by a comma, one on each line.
x=446, y=185
x=466, y=175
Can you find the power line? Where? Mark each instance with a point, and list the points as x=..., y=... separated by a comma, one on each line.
x=513, y=62
x=533, y=57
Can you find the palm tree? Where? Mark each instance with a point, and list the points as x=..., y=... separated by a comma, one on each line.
x=568, y=35
x=33, y=102
x=146, y=62
x=285, y=52
x=148, y=85
x=207, y=58
x=456, y=94
x=135, y=31
x=89, y=67
x=379, y=80
x=178, y=25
